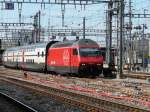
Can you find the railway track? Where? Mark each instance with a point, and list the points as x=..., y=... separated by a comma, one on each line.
x=138, y=75
x=130, y=88
x=19, y=106
x=85, y=102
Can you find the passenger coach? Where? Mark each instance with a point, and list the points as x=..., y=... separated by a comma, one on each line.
x=30, y=57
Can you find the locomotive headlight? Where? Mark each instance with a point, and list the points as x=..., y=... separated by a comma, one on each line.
x=83, y=64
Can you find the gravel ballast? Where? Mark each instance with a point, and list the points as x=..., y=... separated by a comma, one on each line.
x=37, y=101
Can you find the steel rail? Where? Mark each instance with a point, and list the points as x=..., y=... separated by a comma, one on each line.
x=18, y=103
x=138, y=75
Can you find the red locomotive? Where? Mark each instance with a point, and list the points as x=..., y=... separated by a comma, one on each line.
x=80, y=57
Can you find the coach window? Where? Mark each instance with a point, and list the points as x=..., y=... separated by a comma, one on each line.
x=42, y=53
x=75, y=51
x=38, y=54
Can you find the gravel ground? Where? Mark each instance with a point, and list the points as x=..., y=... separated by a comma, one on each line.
x=37, y=101
x=6, y=106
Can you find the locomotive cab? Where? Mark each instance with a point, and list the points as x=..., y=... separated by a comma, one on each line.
x=90, y=60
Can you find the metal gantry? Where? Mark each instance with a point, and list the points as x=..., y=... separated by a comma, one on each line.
x=130, y=27
x=138, y=15
x=76, y=32
x=15, y=24
x=71, y=2
x=121, y=37
x=82, y=2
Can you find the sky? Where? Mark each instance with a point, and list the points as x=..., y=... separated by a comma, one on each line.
x=51, y=14
x=73, y=15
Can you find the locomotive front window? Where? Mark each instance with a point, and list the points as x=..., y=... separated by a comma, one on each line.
x=90, y=52
x=42, y=53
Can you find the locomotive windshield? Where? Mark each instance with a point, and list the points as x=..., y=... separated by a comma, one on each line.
x=86, y=52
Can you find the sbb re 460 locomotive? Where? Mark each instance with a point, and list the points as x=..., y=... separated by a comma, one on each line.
x=80, y=57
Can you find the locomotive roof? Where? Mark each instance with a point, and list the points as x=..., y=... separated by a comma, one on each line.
x=74, y=43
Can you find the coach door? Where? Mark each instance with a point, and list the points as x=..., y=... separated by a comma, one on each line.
x=23, y=56
x=74, y=60
x=66, y=59
x=22, y=65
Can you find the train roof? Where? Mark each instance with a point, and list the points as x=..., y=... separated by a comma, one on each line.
x=31, y=46
x=57, y=44
x=80, y=42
